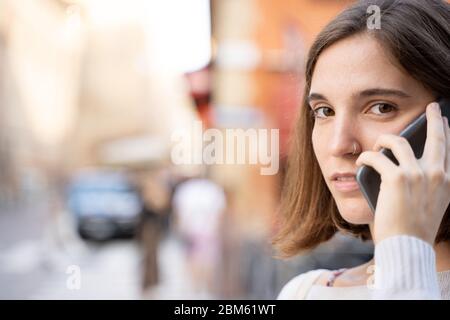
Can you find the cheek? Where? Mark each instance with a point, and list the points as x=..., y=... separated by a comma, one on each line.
x=321, y=150
x=318, y=143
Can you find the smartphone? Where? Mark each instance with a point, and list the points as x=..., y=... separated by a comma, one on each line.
x=369, y=179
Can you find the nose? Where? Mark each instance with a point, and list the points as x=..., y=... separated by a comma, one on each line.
x=346, y=132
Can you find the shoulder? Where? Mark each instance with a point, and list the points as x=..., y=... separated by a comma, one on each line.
x=298, y=287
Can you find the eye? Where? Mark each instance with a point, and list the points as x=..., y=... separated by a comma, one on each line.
x=382, y=108
x=323, y=112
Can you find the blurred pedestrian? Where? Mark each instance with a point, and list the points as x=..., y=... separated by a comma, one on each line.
x=156, y=206
x=199, y=205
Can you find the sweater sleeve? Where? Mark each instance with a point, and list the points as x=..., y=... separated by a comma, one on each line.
x=405, y=269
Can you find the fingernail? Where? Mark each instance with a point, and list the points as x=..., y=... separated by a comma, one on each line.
x=436, y=107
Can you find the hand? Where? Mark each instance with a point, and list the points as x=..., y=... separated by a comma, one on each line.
x=415, y=194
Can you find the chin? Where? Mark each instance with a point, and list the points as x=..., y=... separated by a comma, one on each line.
x=355, y=210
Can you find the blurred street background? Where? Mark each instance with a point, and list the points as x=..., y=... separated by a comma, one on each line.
x=91, y=92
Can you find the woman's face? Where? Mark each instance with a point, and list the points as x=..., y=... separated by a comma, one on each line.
x=357, y=93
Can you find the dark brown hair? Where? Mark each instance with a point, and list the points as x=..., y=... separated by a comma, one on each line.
x=416, y=35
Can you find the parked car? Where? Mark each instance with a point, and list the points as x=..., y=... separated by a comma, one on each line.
x=105, y=204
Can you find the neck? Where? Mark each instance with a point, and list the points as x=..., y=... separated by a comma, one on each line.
x=442, y=250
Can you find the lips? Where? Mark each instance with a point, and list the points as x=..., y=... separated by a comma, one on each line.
x=343, y=176
x=345, y=182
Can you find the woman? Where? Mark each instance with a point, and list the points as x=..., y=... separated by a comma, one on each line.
x=363, y=86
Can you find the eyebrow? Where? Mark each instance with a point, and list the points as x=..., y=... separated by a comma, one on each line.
x=365, y=93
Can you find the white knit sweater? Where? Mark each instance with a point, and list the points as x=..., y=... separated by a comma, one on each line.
x=405, y=269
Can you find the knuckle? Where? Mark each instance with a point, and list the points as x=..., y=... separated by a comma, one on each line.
x=399, y=176
x=417, y=176
x=439, y=138
x=436, y=175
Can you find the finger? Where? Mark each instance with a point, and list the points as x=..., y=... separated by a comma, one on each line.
x=378, y=161
x=435, y=145
x=401, y=149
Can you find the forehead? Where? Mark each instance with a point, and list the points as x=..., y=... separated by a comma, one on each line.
x=357, y=63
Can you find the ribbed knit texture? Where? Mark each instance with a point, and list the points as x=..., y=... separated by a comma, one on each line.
x=405, y=269
x=403, y=277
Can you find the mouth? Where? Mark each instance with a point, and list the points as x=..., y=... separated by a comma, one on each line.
x=345, y=182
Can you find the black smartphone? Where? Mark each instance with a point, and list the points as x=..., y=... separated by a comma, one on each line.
x=369, y=179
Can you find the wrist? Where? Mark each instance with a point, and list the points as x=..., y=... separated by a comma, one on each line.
x=427, y=237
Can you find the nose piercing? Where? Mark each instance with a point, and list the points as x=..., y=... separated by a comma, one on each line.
x=354, y=148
